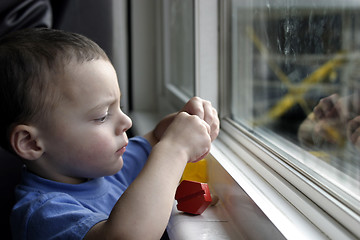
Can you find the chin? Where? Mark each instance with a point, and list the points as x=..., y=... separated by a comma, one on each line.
x=118, y=166
x=113, y=167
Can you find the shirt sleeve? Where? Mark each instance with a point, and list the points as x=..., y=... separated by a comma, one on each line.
x=53, y=216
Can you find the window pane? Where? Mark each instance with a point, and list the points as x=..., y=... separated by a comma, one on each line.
x=296, y=84
x=181, y=45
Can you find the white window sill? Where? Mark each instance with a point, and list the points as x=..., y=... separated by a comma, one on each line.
x=213, y=223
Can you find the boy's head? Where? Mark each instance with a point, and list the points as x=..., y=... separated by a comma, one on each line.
x=60, y=100
x=32, y=62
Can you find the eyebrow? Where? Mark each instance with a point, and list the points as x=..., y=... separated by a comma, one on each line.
x=104, y=104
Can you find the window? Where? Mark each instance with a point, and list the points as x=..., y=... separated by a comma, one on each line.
x=285, y=57
x=179, y=56
x=278, y=60
x=189, y=61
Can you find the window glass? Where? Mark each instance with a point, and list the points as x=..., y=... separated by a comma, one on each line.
x=295, y=84
x=179, y=16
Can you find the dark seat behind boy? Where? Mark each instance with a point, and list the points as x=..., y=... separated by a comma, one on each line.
x=10, y=169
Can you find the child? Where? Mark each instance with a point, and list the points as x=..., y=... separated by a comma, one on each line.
x=60, y=102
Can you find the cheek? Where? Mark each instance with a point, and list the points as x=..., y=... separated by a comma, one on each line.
x=92, y=145
x=98, y=146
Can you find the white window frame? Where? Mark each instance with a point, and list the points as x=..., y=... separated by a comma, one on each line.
x=206, y=65
x=171, y=98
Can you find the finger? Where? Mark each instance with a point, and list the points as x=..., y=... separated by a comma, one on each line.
x=318, y=112
x=326, y=107
x=208, y=112
x=195, y=107
x=353, y=130
x=357, y=143
x=355, y=137
x=211, y=117
x=215, y=126
x=207, y=126
x=327, y=104
x=352, y=125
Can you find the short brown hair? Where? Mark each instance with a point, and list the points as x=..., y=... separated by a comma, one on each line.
x=31, y=62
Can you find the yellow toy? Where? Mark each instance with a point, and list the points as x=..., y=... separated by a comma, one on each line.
x=196, y=172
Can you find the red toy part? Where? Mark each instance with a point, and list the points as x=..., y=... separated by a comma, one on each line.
x=193, y=197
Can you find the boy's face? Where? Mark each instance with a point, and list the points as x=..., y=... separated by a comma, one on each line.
x=85, y=136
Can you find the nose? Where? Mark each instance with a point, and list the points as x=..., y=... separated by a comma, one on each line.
x=123, y=124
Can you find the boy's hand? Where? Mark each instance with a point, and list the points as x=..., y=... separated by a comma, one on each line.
x=190, y=135
x=329, y=118
x=205, y=111
x=195, y=106
x=334, y=121
x=329, y=108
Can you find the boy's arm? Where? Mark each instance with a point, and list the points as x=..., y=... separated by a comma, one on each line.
x=144, y=209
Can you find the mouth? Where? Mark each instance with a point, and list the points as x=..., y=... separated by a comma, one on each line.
x=121, y=150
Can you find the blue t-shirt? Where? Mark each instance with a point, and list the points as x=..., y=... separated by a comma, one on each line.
x=51, y=210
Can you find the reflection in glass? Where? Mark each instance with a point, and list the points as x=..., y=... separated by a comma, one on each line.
x=296, y=77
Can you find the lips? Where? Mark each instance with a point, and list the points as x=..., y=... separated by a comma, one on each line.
x=121, y=150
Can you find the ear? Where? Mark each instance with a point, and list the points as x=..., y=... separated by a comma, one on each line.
x=25, y=141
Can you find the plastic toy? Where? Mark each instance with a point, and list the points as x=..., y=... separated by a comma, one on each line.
x=193, y=197
x=196, y=171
